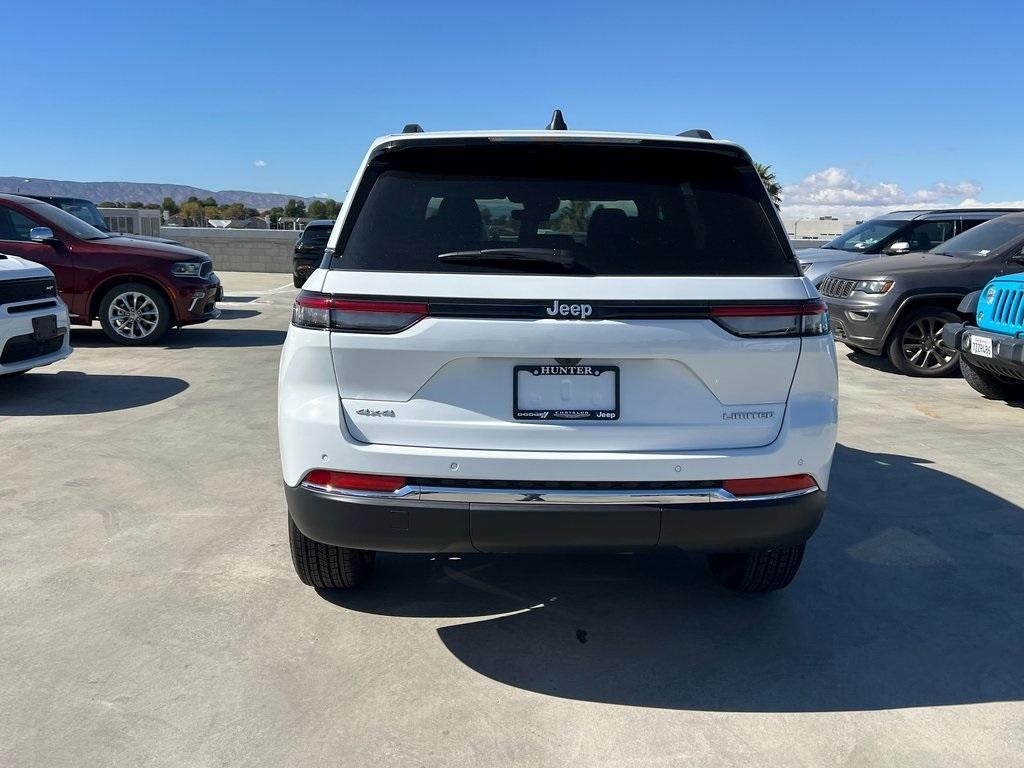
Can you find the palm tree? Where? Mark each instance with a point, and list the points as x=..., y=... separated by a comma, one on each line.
x=770, y=183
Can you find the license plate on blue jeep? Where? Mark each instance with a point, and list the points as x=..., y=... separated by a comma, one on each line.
x=565, y=392
x=981, y=346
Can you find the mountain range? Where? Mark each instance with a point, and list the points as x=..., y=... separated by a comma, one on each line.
x=138, y=192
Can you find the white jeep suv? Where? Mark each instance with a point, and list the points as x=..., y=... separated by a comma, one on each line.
x=33, y=320
x=556, y=340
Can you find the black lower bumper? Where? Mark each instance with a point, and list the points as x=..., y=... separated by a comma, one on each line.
x=417, y=526
x=1007, y=351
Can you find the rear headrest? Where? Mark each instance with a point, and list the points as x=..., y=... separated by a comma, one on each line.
x=457, y=223
x=607, y=226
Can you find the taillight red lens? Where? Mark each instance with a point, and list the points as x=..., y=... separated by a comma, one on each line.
x=763, y=486
x=323, y=312
x=353, y=481
x=808, y=318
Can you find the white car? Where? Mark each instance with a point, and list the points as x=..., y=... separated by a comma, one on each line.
x=33, y=320
x=557, y=340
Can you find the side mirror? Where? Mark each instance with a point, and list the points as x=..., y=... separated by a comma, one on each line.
x=41, y=235
x=897, y=248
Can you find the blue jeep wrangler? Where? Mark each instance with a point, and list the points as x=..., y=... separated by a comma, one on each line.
x=992, y=352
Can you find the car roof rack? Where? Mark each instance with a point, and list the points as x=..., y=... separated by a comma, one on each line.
x=557, y=122
x=696, y=133
x=412, y=128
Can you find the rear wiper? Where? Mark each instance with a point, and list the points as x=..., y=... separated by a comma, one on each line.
x=556, y=256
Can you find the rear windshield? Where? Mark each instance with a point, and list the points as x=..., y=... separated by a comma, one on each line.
x=316, y=235
x=616, y=210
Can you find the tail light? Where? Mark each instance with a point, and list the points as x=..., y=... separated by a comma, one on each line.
x=326, y=312
x=764, y=486
x=328, y=480
x=808, y=318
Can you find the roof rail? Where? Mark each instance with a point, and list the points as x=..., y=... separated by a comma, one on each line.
x=557, y=122
x=412, y=128
x=696, y=133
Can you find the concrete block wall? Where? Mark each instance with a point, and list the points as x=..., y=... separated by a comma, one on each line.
x=260, y=250
x=240, y=250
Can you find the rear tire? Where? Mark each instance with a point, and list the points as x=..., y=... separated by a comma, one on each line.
x=326, y=566
x=763, y=571
x=989, y=384
x=915, y=347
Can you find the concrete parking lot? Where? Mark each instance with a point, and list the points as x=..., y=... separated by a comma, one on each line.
x=150, y=614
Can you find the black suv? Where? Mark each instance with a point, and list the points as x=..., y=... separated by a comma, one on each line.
x=309, y=249
x=898, y=305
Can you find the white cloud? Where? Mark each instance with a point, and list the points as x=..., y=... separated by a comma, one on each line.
x=835, y=192
x=260, y=163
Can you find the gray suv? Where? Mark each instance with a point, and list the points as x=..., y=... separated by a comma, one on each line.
x=898, y=305
x=893, y=234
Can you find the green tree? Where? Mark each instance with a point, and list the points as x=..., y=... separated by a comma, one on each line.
x=192, y=212
x=295, y=208
x=233, y=211
x=275, y=215
x=208, y=203
x=134, y=204
x=771, y=184
x=170, y=206
x=318, y=210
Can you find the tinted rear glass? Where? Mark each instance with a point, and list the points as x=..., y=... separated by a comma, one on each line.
x=618, y=210
x=317, y=235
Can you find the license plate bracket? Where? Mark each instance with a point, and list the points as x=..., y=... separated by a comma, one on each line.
x=44, y=328
x=549, y=392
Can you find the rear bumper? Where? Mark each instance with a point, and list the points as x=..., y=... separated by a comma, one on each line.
x=1007, y=351
x=698, y=524
x=304, y=265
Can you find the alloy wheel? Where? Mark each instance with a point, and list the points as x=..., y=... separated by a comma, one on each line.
x=133, y=315
x=923, y=347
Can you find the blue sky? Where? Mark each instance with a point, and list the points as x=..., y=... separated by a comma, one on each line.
x=883, y=101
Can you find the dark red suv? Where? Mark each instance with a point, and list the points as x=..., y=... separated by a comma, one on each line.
x=136, y=289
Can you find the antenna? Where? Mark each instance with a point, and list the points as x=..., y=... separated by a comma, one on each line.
x=412, y=128
x=557, y=122
x=696, y=133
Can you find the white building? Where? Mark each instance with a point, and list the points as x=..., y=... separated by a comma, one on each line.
x=133, y=221
x=822, y=228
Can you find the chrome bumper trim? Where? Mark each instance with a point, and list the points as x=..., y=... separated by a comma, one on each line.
x=426, y=493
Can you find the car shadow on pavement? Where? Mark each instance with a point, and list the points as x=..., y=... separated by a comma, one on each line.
x=190, y=338
x=73, y=392
x=909, y=596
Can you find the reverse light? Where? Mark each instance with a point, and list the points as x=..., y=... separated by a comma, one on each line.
x=766, y=486
x=326, y=312
x=808, y=318
x=872, y=286
x=329, y=480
